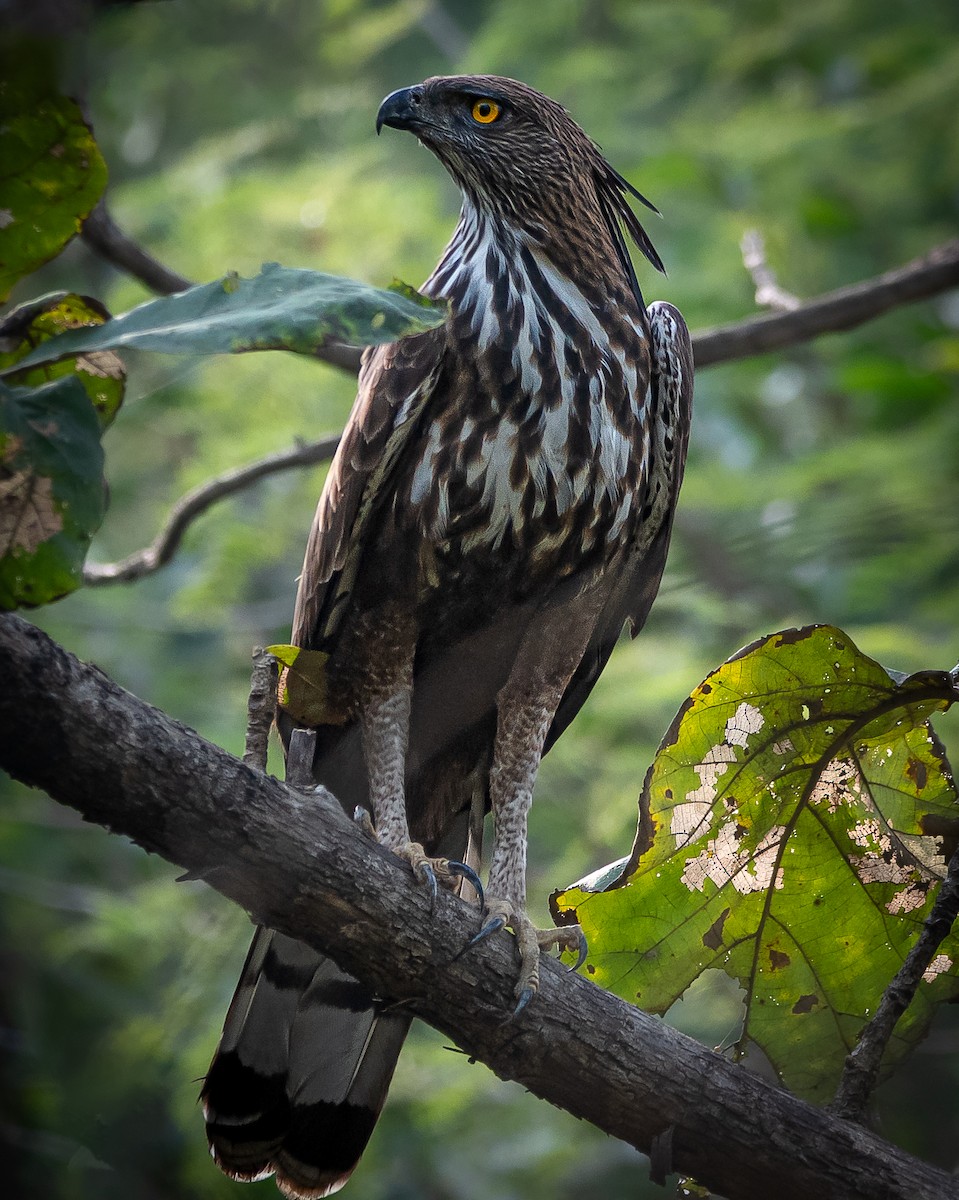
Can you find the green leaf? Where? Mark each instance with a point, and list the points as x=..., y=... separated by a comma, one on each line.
x=51, y=176
x=101, y=371
x=786, y=838
x=302, y=690
x=282, y=308
x=401, y=288
x=52, y=495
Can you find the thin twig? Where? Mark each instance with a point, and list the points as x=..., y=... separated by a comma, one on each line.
x=445, y=32
x=834, y=312
x=189, y=507
x=260, y=708
x=861, y=1073
x=768, y=292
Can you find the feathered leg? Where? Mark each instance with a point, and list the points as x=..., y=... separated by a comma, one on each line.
x=384, y=704
x=548, y=657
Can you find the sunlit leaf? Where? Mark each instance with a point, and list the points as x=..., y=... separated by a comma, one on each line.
x=302, y=689
x=52, y=496
x=788, y=839
x=405, y=289
x=51, y=175
x=282, y=308
x=101, y=372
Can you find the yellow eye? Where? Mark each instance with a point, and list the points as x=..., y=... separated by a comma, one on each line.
x=486, y=111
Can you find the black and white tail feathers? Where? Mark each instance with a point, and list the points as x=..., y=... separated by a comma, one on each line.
x=301, y=1072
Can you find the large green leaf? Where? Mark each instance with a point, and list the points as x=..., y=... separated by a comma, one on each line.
x=786, y=838
x=52, y=496
x=282, y=308
x=101, y=371
x=51, y=175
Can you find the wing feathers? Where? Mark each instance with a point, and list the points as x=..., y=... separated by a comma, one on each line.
x=396, y=382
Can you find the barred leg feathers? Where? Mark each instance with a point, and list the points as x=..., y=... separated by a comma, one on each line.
x=301, y=1073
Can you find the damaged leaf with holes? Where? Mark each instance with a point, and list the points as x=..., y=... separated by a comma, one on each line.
x=794, y=826
x=52, y=494
x=101, y=371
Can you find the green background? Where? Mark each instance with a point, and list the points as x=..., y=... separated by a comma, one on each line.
x=823, y=485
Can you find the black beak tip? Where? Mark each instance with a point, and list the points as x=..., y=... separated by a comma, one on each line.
x=398, y=110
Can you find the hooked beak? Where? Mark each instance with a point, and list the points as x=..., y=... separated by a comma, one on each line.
x=400, y=109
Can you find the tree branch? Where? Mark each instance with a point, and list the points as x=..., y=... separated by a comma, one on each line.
x=105, y=237
x=768, y=292
x=833, y=312
x=843, y=309
x=189, y=507
x=260, y=708
x=298, y=864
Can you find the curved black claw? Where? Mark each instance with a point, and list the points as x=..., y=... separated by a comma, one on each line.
x=491, y=926
x=467, y=873
x=525, y=996
x=425, y=872
x=582, y=954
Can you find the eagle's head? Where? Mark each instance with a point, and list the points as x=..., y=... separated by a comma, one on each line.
x=517, y=154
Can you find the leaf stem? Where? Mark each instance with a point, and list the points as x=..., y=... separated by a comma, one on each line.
x=861, y=1072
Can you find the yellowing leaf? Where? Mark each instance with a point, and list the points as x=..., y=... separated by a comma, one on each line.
x=100, y=371
x=53, y=174
x=787, y=839
x=302, y=689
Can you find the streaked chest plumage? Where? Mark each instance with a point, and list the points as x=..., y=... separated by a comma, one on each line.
x=548, y=453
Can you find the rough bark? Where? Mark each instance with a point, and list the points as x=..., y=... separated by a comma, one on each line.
x=295, y=862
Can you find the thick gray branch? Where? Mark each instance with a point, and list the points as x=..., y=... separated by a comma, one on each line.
x=296, y=863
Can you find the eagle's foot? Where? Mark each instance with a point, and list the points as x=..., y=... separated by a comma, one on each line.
x=437, y=871
x=531, y=942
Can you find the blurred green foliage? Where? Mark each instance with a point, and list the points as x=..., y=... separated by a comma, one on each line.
x=823, y=485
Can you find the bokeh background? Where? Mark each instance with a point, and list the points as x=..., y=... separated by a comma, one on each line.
x=823, y=485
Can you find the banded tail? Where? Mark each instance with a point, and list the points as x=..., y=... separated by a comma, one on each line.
x=301, y=1072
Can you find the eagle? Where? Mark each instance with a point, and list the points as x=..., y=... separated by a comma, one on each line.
x=499, y=507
